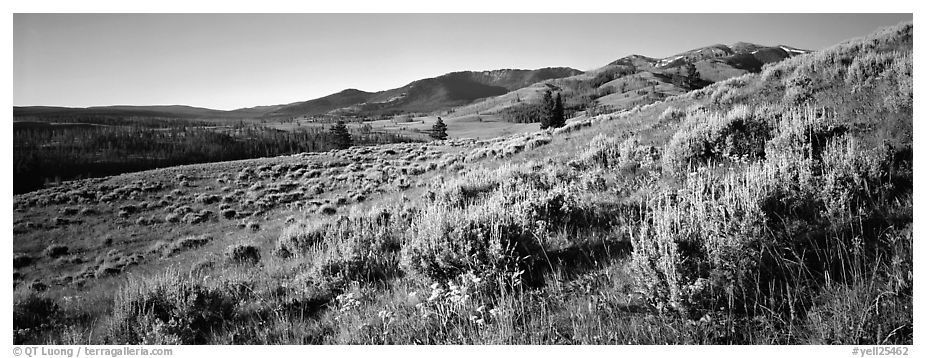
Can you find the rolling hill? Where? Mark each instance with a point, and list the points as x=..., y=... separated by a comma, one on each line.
x=166, y=111
x=425, y=95
x=636, y=79
x=619, y=84
x=770, y=208
x=430, y=94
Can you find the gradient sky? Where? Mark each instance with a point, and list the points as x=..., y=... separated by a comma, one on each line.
x=228, y=61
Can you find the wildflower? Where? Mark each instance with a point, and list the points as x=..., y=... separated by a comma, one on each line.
x=435, y=295
x=385, y=315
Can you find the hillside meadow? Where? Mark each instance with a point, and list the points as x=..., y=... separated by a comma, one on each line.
x=770, y=208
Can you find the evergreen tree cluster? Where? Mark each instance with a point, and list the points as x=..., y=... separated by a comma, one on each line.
x=521, y=113
x=552, y=113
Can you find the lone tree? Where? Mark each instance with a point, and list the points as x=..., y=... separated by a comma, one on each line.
x=692, y=76
x=341, y=136
x=552, y=114
x=559, y=114
x=546, y=110
x=439, y=130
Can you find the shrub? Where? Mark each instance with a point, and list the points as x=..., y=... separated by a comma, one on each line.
x=327, y=209
x=243, y=254
x=108, y=269
x=844, y=315
x=763, y=236
x=169, y=308
x=22, y=260
x=38, y=286
x=697, y=249
x=538, y=141
x=358, y=247
x=799, y=87
x=890, y=75
x=31, y=312
x=203, y=265
x=229, y=213
x=494, y=238
x=572, y=127
x=299, y=238
x=723, y=94
x=184, y=244
x=633, y=155
x=602, y=150
x=55, y=251
x=738, y=133
x=474, y=185
x=208, y=198
x=671, y=114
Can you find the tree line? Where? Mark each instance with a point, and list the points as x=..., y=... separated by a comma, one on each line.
x=48, y=153
x=550, y=112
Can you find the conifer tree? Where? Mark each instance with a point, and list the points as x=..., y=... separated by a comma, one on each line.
x=341, y=136
x=439, y=130
x=546, y=110
x=692, y=76
x=559, y=115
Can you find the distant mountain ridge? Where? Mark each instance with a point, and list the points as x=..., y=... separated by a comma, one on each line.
x=715, y=62
x=635, y=80
x=741, y=55
x=167, y=111
x=428, y=94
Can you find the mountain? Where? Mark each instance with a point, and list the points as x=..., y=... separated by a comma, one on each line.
x=742, y=55
x=167, y=111
x=635, y=80
x=719, y=62
x=626, y=82
x=430, y=94
x=345, y=98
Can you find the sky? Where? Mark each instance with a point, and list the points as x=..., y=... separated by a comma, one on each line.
x=230, y=61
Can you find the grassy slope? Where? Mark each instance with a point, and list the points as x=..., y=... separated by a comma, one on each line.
x=713, y=67
x=578, y=273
